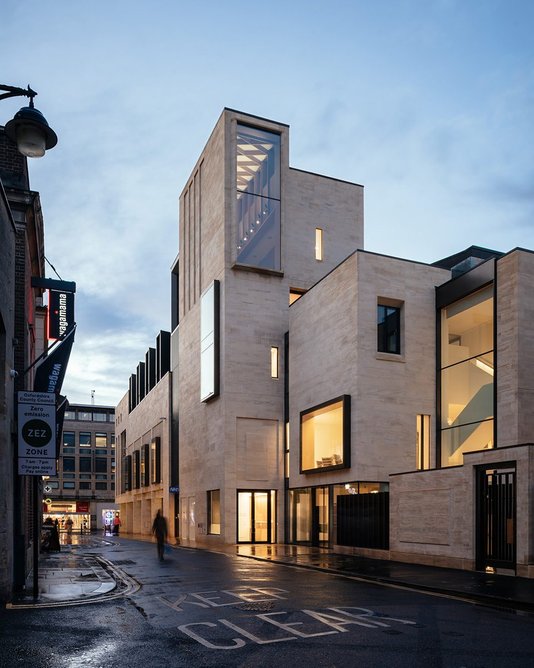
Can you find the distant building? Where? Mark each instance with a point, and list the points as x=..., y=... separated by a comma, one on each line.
x=149, y=468
x=84, y=488
x=320, y=394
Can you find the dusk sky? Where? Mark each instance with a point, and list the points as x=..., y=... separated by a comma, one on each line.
x=427, y=103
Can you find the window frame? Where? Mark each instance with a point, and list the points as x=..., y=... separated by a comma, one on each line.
x=210, y=504
x=345, y=400
x=255, y=193
x=275, y=362
x=382, y=335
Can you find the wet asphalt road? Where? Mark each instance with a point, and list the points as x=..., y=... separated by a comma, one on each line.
x=205, y=609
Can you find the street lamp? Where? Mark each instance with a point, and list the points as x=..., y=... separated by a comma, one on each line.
x=29, y=128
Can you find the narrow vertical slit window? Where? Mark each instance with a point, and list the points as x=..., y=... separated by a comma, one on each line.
x=318, y=243
x=214, y=511
x=423, y=442
x=274, y=362
x=209, y=343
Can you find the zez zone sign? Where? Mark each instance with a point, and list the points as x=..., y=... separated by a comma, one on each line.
x=37, y=433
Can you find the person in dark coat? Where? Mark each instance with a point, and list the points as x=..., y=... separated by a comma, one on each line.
x=159, y=529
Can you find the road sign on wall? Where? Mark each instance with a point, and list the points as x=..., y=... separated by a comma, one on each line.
x=37, y=433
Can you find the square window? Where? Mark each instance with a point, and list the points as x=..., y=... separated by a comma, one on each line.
x=69, y=464
x=69, y=439
x=85, y=485
x=101, y=485
x=85, y=464
x=101, y=465
x=388, y=329
x=85, y=439
x=101, y=440
x=325, y=436
x=68, y=485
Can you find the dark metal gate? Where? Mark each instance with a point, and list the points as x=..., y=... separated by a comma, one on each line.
x=496, y=518
x=363, y=520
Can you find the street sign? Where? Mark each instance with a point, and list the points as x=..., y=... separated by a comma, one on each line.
x=37, y=433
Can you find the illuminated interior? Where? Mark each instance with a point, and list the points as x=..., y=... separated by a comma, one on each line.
x=322, y=437
x=467, y=376
x=258, y=198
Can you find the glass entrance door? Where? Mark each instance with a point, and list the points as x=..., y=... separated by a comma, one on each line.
x=321, y=514
x=256, y=516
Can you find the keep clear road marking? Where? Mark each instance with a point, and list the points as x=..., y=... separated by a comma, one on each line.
x=336, y=619
x=225, y=597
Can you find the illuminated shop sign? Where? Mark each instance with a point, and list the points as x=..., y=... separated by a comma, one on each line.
x=60, y=313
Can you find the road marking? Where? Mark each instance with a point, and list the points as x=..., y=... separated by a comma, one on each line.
x=336, y=618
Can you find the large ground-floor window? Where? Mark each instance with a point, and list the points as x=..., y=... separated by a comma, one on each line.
x=256, y=516
x=317, y=517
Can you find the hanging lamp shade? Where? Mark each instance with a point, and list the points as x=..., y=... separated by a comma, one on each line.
x=30, y=131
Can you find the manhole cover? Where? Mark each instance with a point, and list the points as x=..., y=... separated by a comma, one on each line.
x=261, y=606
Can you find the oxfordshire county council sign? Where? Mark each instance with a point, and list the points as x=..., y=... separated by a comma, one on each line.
x=37, y=433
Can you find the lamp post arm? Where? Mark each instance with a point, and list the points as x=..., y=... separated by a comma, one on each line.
x=14, y=91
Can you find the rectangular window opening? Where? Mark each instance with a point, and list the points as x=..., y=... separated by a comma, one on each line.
x=423, y=442
x=325, y=436
x=389, y=329
x=318, y=244
x=274, y=362
x=214, y=511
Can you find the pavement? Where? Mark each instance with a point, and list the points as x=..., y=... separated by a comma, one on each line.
x=78, y=575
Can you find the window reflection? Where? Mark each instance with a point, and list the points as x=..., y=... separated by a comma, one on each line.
x=258, y=198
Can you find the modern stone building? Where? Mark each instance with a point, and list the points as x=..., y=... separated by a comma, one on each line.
x=324, y=395
x=149, y=468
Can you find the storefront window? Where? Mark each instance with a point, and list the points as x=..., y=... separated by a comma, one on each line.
x=325, y=435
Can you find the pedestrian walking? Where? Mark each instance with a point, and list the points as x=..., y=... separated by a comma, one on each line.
x=116, y=524
x=159, y=529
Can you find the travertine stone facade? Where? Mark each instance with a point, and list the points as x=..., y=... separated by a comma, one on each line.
x=332, y=351
x=515, y=348
x=148, y=420
x=235, y=440
x=444, y=503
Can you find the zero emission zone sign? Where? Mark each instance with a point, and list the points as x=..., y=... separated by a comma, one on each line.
x=37, y=433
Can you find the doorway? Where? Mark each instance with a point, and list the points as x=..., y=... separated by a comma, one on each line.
x=320, y=516
x=256, y=516
x=496, y=518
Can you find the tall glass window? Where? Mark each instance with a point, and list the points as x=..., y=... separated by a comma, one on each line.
x=388, y=329
x=258, y=198
x=422, y=447
x=214, y=511
x=209, y=342
x=467, y=370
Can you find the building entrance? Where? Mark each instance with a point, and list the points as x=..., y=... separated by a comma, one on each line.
x=496, y=518
x=256, y=516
